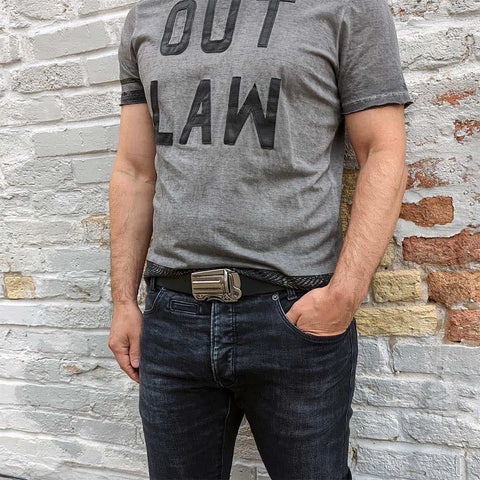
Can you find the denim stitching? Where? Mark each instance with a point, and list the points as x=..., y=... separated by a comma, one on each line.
x=234, y=347
x=212, y=344
x=160, y=294
x=224, y=434
x=350, y=390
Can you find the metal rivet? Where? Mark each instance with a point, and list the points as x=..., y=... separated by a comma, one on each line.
x=274, y=296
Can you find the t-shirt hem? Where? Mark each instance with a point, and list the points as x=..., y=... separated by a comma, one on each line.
x=377, y=100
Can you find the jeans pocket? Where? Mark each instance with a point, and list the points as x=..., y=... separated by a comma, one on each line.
x=283, y=304
x=152, y=299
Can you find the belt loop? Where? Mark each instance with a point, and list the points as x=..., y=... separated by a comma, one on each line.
x=150, y=281
x=291, y=293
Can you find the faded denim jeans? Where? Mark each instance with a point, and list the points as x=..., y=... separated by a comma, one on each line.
x=205, y=364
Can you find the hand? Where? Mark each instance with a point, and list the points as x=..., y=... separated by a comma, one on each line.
x=124, y=339
x=321, y=311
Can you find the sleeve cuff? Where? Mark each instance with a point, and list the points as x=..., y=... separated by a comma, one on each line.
x=377, y=100
x=134, y=96
x=132, y=91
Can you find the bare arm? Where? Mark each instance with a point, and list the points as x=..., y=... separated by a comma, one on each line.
x=132, y=188
x=379, y=140
x=378, y=137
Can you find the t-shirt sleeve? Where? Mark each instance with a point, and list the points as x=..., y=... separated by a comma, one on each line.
x=132, y=90
x=370, y=72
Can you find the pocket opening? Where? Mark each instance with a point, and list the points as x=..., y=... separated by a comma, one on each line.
x=298, y=331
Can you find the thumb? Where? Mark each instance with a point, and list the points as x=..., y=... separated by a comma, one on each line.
x=135, y=353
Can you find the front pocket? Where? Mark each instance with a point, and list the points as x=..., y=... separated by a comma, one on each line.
x=282, y=304
x=152, y=299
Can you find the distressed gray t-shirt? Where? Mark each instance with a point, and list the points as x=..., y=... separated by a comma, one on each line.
x=247, y=98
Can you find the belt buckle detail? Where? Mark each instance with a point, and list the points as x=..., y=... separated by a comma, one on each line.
x=220, y=284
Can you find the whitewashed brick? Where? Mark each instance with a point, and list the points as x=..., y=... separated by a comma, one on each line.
x=373, y=356
x=75, y=140
x=50, y=172
x=395, y=461
x=438, y=359
x=403, y=392
x=20, y=259
x=375, y=424
x=70, y=40
x=88, y=288
x=87, y=343
x=87, y=201
x=92, y=170
x=77, y=259
x=76, y=451
x=15, y=204
x=92, y=6
x=441, y=428
x=433, y=49
x=85, y=107
x=463, y=6
x=473, y=465
x=243, y=472
x=9, y=48
x=25, y=12
x=39, y=232
x=29, y=111
x=103, y=69
x=54, y=423
x=54, y=76
x=66, y=315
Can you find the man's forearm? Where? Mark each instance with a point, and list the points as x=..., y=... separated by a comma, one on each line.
x=131, y=212
x=376, y=206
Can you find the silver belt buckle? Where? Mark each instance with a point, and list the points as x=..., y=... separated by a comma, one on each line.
x=220, y=284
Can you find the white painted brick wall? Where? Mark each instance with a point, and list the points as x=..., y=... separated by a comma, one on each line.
x=66, y=409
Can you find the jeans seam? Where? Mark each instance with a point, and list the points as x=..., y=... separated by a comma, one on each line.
x=350, y=390
x=234, y=347
x=213, y=356
x=223, y=437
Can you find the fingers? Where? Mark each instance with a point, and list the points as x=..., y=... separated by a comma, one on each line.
x=122, y=355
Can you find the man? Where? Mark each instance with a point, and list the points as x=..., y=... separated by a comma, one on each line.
x=231, y=152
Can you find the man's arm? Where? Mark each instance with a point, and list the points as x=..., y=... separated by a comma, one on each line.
x=378, y=137
x=132, y=188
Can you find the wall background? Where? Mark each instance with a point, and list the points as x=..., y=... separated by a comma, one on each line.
x=66, y=409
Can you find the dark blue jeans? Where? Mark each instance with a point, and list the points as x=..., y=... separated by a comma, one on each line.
x=205, y=364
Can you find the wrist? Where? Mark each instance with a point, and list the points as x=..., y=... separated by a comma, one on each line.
x=350, y=295
x=125, y=302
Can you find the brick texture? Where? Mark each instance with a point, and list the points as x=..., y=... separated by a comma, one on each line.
x=454, y=287
x=428, y=211
x=456, y=249
x=463, y=325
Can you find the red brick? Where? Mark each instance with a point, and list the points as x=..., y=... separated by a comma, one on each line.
x=456, y=250
x=463, y=325
x=454, y=287
x=452, y=97
x=429, y=211
x=425, y=173
x=465, y=128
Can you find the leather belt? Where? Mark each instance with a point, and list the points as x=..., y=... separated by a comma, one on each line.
x=221, y=284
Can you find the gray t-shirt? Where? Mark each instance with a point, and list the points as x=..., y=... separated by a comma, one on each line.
x=247, y=100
